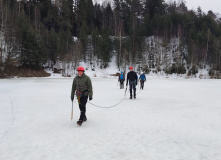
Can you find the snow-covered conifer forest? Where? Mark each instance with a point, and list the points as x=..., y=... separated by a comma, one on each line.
x=151, y=35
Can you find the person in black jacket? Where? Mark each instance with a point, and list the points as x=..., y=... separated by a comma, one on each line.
x=132, y=78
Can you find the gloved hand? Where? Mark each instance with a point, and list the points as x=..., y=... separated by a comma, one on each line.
x=72, y=98
x=90, y=99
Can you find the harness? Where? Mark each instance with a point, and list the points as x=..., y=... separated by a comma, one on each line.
x=132, y=82
x=79, y=93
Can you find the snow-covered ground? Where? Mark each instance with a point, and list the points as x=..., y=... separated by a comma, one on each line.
x=171, y=119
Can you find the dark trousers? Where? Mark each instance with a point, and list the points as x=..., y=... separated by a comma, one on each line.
x=82, y=107
x=132, y=86
x=121, y=84
x=141, y=84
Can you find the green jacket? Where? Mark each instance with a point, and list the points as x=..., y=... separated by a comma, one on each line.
x=81, y=84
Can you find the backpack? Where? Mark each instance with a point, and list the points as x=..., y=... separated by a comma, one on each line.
x=121, y=76
x=142, y=77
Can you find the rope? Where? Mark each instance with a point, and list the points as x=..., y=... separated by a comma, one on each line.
x=115, y=104
x=112, y=105
x=139, y=92
x=140, y=88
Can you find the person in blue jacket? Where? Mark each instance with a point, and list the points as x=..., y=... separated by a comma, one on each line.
x=121, y=79
x=142, y=80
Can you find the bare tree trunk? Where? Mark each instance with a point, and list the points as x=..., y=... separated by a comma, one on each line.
x=207, y=46
x=120, y=54
x=1, y=31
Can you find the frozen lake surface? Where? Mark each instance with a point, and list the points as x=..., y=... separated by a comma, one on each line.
x=171, y=119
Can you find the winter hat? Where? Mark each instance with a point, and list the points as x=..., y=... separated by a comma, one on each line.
x=80, y=69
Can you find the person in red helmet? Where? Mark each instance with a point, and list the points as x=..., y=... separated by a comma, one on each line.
x=82, y=86
x=132, y=79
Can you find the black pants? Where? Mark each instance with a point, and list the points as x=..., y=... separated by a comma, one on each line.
x=82, y=107
x=121, y=84
x=141, y=84
x=132, y=86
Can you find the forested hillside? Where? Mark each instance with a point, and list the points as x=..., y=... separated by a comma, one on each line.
x=147, y=34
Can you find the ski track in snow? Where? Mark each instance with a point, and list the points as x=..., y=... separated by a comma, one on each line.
x=171, y=119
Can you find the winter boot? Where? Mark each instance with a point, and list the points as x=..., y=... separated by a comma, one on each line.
x=85, y=119
x=130, y=96
x=79, y=122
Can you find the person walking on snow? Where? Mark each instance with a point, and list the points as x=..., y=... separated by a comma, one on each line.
x=132, y=79
x=83, y=87
x=142, y=80
x=121, y=79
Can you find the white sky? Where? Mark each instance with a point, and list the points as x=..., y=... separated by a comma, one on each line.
x=205, y=5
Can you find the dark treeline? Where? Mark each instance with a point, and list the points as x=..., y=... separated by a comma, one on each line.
x=146, y=33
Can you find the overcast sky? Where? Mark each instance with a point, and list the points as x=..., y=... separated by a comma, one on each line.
x=206, y=5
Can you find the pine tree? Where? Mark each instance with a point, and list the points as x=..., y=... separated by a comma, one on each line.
x=32, y=53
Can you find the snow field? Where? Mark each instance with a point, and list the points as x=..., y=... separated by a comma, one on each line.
x=171, y=119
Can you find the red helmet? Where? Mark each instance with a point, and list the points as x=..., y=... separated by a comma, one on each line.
x=80, y=69
x=131, y=67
